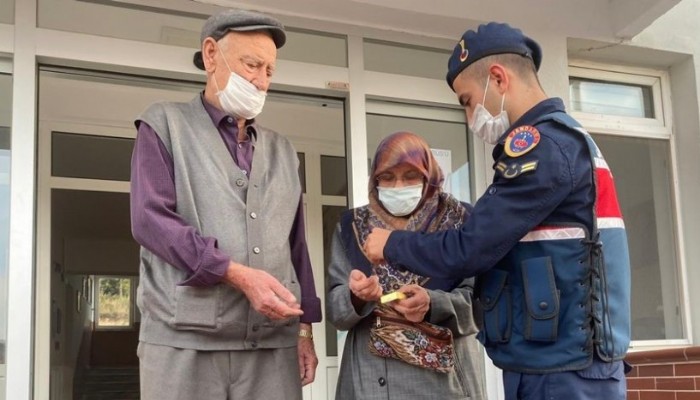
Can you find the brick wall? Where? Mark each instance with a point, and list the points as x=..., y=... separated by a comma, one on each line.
x=669, y=374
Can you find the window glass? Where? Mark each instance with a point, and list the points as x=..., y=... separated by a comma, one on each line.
x=644, y=187
x=302, y=171
x=395, y=58
x=5, y=153
x=315, y=48
x=7, y=11
x=334, y=179
x=603, y=97
x=89, y=156
x=448, y=140
x=126, y=21
x=113, y=302
x=178, y=25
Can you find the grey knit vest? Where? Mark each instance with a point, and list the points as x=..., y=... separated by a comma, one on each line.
x=251, y=218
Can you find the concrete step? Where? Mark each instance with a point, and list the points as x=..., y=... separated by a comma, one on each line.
x=113, y=383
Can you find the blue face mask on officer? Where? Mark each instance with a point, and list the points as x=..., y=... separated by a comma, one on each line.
x=485, y=125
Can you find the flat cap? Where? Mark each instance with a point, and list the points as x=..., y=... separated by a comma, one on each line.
x=489, y=39
x=219, y=24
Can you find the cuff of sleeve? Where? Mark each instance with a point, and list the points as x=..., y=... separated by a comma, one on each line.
x=366, y=311
x=392, y=245
x=439, y=303
x=312, y=310
x=211, y=270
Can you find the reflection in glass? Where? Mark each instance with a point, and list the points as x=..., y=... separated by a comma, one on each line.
x=331, y=217
x=402, y=59
x=302, y=171
x=448, y=140
x=602, y=97
x=7, y=11
x=334, y=179
x=315, y=48
x=92, y=157
x=643, y=180
x=171, y=25
x=125, y=21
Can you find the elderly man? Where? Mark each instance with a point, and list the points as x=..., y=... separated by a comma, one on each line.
x=226, y=289
x=555, y=312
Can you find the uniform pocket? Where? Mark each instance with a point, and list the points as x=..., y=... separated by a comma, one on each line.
x=542, y=300
x=495, y=301
x=196, y=308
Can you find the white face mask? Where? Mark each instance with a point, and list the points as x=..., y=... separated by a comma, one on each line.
x=485, y=125
x=400, y=201
x=240, y=98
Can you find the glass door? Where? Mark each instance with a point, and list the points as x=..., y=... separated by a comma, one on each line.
x=84, y=242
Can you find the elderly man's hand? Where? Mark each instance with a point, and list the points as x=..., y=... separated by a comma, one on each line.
x=265, y=293
x=307, y=357
x=374, y=245
x=415, y=305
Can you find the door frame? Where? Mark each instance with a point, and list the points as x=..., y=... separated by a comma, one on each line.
x=45, y=184
x=320, y=389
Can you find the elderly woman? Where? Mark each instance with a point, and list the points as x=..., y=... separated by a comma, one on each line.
x=421, y=344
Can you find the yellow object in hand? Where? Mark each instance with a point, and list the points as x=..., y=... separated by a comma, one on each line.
x=389, y=297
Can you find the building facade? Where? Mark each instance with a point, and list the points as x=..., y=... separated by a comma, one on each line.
x=75, y=73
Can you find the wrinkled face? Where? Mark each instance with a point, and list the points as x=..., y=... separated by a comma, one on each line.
x=400, y=175
x=251, y=55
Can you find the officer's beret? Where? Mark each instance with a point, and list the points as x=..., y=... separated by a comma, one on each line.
x=489, y=39
x=219, y=24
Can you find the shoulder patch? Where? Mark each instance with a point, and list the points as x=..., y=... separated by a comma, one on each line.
x=512, y=170
x=521, y=140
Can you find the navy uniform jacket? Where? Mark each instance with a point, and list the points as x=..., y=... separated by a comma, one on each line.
x=533, y=240
x=558, y=190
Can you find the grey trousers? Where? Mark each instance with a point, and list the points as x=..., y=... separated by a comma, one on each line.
x=169, y=373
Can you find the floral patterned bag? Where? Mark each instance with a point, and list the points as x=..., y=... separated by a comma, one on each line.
x=421, y=344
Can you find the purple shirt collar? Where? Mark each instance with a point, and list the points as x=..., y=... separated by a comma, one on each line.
x=218, y=116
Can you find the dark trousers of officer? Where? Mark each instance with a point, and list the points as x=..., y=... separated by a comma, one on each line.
x=600, y=381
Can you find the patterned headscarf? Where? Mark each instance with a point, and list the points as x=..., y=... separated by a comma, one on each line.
x=436, y=211
x=409, y=148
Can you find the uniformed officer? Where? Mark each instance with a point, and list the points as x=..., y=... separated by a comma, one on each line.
x=555, y=313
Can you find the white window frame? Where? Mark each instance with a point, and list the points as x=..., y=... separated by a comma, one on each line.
x=659, y=127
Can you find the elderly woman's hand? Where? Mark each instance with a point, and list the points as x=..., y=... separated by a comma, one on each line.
x=363, y=287
x=415, y=305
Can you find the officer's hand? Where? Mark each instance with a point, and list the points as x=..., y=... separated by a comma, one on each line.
x=364, y=288
x=265, y=293
x=415, y=305
x=374, y=245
